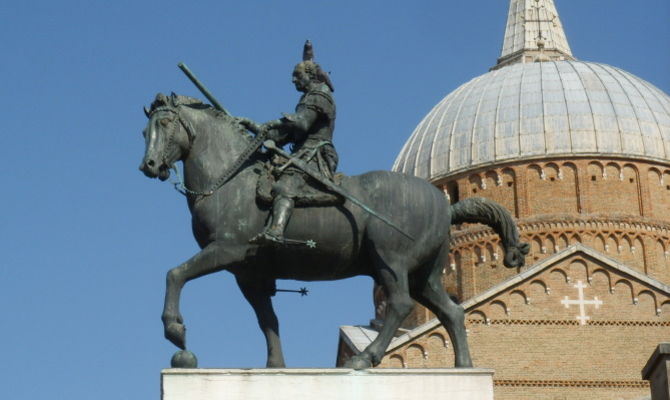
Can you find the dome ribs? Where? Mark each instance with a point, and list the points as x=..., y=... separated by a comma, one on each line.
x=573, y=108
x=592, y=131
x=637, y=109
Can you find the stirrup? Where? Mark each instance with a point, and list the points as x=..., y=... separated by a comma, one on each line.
x=266, y=238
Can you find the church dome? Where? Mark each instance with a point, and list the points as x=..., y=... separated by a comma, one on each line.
x=536, y=110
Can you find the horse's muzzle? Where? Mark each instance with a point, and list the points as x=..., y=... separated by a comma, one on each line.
x=150, y=168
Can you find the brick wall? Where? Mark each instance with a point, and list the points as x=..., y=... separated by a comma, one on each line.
x=571, y=186
x=619, y=207
x=541, y=350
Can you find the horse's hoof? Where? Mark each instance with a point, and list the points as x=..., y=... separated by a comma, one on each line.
x=184, y=359
x=275, y=364
x=464, y=365
x=358, y=362
x=176, y=333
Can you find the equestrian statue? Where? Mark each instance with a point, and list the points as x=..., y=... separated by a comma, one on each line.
x=264, y=213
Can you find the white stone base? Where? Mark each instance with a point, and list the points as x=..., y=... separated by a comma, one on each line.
x=327, y=384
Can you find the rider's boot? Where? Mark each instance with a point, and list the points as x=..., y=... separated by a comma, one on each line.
x=282, y=208
x=281, y=212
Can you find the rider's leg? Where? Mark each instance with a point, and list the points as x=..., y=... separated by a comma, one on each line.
x=284, y=191
x=282, y=208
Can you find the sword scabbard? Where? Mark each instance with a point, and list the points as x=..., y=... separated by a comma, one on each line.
x=270, y=145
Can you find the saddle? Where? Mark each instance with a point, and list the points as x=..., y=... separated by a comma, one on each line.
x=312, y=193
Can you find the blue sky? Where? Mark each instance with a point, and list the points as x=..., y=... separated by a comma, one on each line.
x=86, y=239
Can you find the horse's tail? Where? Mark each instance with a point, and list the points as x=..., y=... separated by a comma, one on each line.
x=484, y=211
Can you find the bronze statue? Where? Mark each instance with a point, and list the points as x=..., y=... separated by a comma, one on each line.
x=389, y=226
x=310, y=131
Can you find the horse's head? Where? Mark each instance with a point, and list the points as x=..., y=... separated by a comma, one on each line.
x=167, y=137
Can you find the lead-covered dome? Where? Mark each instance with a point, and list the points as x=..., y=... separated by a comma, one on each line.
x=540, y=110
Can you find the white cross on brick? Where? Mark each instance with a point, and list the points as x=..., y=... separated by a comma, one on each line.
x=582, y=317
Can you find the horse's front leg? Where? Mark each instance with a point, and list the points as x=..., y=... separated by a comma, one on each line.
x=258, y=293
x=212, y=258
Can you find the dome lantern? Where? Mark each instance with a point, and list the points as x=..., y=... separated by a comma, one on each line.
x=533, y=33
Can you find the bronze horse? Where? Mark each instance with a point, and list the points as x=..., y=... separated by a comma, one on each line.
x=348, y=241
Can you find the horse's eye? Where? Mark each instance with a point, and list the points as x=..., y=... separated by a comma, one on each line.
x=164, y=121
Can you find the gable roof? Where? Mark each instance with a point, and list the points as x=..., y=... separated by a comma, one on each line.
x=358, y=337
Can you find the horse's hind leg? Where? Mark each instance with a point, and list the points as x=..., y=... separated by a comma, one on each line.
x=258, y=293
x=426, y=288
x=394, y=282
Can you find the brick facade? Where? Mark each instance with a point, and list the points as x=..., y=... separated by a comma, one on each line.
x=620, y=208
x=540, y=343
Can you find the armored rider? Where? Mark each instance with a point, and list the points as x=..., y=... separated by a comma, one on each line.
x=309, y=131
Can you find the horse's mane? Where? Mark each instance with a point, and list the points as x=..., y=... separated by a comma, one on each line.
x=175, y=100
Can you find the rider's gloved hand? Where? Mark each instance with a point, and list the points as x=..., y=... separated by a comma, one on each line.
x=271, y=125
x=273, y=134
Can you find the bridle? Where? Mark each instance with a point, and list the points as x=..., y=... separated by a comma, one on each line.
x=180, y=186
x=171, y=138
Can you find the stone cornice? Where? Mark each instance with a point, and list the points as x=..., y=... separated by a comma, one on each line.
x=460, y=173
x=561, y=223
x=570, y=383
x=561, y=322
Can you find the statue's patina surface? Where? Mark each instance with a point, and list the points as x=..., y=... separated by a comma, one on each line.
x=314, y=225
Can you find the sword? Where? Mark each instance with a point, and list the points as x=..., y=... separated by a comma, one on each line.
x=270, y=145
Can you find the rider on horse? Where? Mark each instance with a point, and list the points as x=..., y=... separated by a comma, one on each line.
x=310, y=132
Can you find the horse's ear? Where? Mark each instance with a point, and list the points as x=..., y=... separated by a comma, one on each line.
x=173, y=98
x=147, y=113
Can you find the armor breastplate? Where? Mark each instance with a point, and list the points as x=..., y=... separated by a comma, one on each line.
x=321, y=101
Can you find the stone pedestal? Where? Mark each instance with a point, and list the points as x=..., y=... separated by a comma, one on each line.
x=326, y=384
x=657, y=371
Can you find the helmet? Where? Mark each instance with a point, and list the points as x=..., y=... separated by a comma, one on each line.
x=313, y=70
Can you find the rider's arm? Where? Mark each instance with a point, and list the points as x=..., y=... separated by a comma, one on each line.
x=249, y=124
x=271, y=128
x=297, y=125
